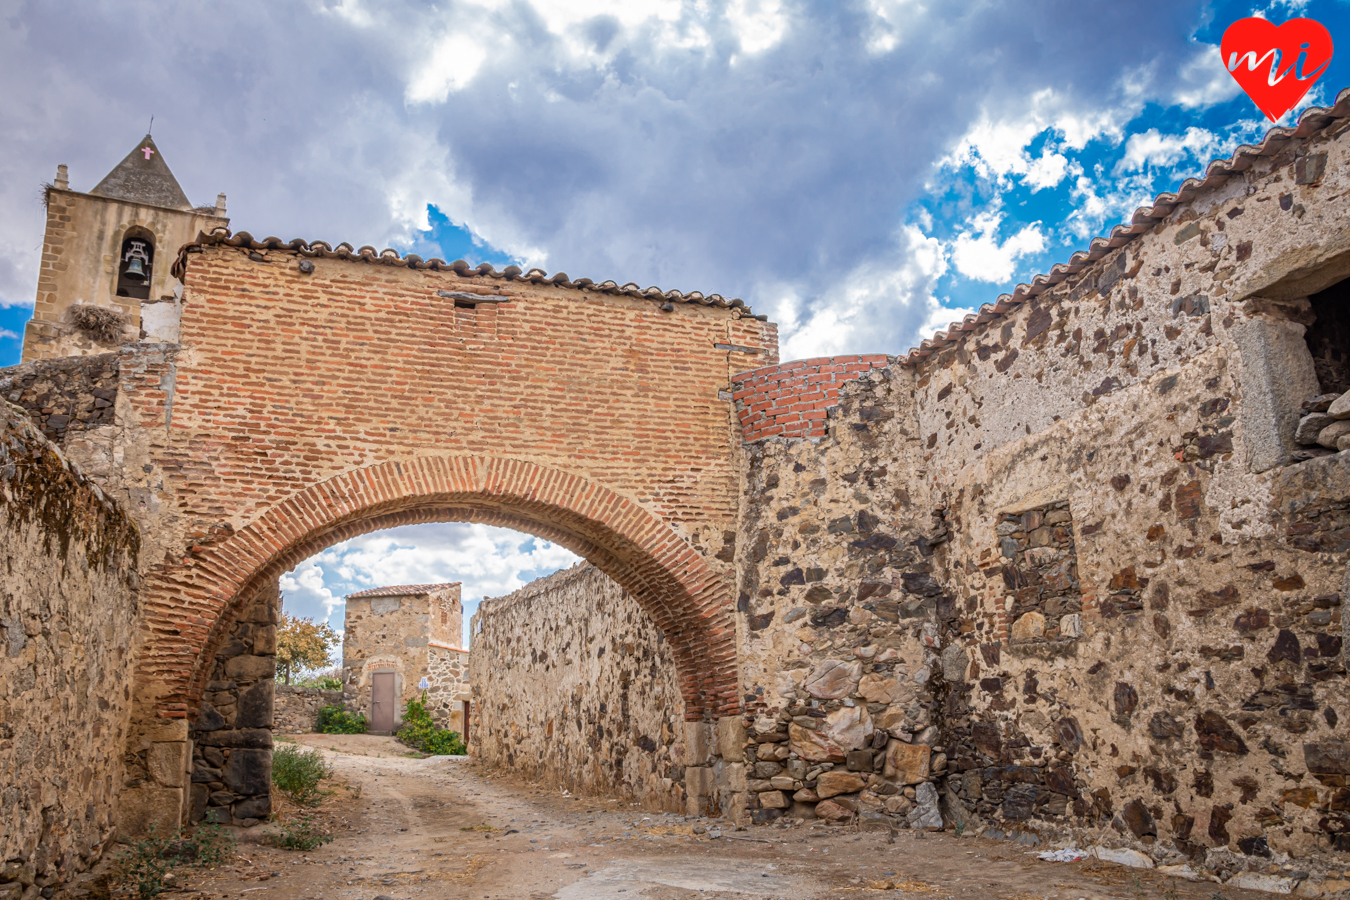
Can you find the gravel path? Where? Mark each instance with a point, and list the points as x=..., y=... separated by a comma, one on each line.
x=444, y=829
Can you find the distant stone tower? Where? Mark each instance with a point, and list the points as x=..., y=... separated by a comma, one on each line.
x=107, y=252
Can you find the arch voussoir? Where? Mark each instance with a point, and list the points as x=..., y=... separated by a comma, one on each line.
x=685, y=596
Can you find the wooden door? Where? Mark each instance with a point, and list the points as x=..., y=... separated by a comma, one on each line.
x=382, y=702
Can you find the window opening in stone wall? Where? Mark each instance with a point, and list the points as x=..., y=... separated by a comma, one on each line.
x=134, y=264
x=1328, y=337
x=1041, y=573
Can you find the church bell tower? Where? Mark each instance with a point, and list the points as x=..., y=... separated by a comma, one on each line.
x=106, y=255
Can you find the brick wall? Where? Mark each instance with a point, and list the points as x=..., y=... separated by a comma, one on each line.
x=792, y=399
x=355, y=397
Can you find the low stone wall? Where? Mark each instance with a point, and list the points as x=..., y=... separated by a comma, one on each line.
x=295, y=710
x=68, y=614
x=574, y=685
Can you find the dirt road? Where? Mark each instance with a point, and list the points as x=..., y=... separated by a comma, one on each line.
x=443, y=829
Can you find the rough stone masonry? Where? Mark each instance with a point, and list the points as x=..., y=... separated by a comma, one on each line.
x=1071, y=571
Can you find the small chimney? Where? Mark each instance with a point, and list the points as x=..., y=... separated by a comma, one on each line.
x=220, y=205
x=62, y=182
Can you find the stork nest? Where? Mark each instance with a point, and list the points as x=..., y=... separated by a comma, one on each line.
x=103, y=325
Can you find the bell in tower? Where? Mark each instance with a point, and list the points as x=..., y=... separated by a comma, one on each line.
x=103, y=248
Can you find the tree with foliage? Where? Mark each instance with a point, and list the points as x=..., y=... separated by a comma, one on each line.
x=302, y=644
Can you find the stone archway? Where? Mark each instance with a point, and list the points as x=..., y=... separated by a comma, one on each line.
x=189, y=609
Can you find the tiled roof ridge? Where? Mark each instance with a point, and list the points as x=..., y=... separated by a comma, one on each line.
x=403, y=590
x=390, y=257
x=1312, y=120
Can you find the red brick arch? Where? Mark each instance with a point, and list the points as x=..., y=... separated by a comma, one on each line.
x=190, y=608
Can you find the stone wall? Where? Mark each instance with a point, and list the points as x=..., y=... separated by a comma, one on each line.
x=574, y=685
x=295, y=710
x=231, y=738
x=68, y=631
x=448, y=674
x=1104, y=571
x=64, y=396
x=841, y=591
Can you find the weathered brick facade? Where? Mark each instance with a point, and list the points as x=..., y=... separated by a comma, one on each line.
x=1073, y=571
x=316, y=395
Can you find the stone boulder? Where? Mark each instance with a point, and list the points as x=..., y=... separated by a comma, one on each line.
x=833, y=679
x=832, y=784
x=849, y=727
x=907, y=763
x=831, y=811
x=814, y=746
x=879, y=689
x=1029, y=627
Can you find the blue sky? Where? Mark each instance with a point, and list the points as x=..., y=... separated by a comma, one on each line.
x=864, y=171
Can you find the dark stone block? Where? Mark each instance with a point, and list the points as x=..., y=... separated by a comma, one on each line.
x=1070, y=734
x=859, y=760
x=831, y=617
x=208, y=720
x=257, y=738
x=255, y=706
x=204, y=775
x=1138, y=819
x=766, y=816
x=1327, y=757
x=1126, y=699
x=1213, y=733
x=985, y=737
x=252, y=808
x=1061, y=781
x=1286, y=648
x=1019, y=802
x=249, y=772
x=1163, y=727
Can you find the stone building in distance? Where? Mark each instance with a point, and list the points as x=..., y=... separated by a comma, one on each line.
x=393, y=638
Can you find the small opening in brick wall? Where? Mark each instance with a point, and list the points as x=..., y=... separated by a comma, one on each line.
x=1328, y=337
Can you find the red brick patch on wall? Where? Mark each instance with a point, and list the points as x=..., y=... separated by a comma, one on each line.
x=790, y=399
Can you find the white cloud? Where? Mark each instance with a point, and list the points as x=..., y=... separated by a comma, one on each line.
x=451, y=65
x=881, y=307
x=1152, y=148
x=7, y=335
x=759, y=24
x=488, y=561
x=1203, y=80
x=977, y=253
x=303, y=586
x=998, y=149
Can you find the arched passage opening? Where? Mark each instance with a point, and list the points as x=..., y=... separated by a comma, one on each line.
x=192, y=609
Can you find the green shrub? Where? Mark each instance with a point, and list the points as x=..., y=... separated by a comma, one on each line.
x=336, y=720
x=327, y=683
x=297, y=773
x=145, y=864
x=302, y=834
x=419, y=731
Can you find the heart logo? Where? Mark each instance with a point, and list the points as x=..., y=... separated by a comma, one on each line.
x=1276, y=64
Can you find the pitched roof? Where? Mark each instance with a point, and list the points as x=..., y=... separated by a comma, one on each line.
x=402, y=590
x=143, y=177
x=369, y=254
x=1313, y=120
